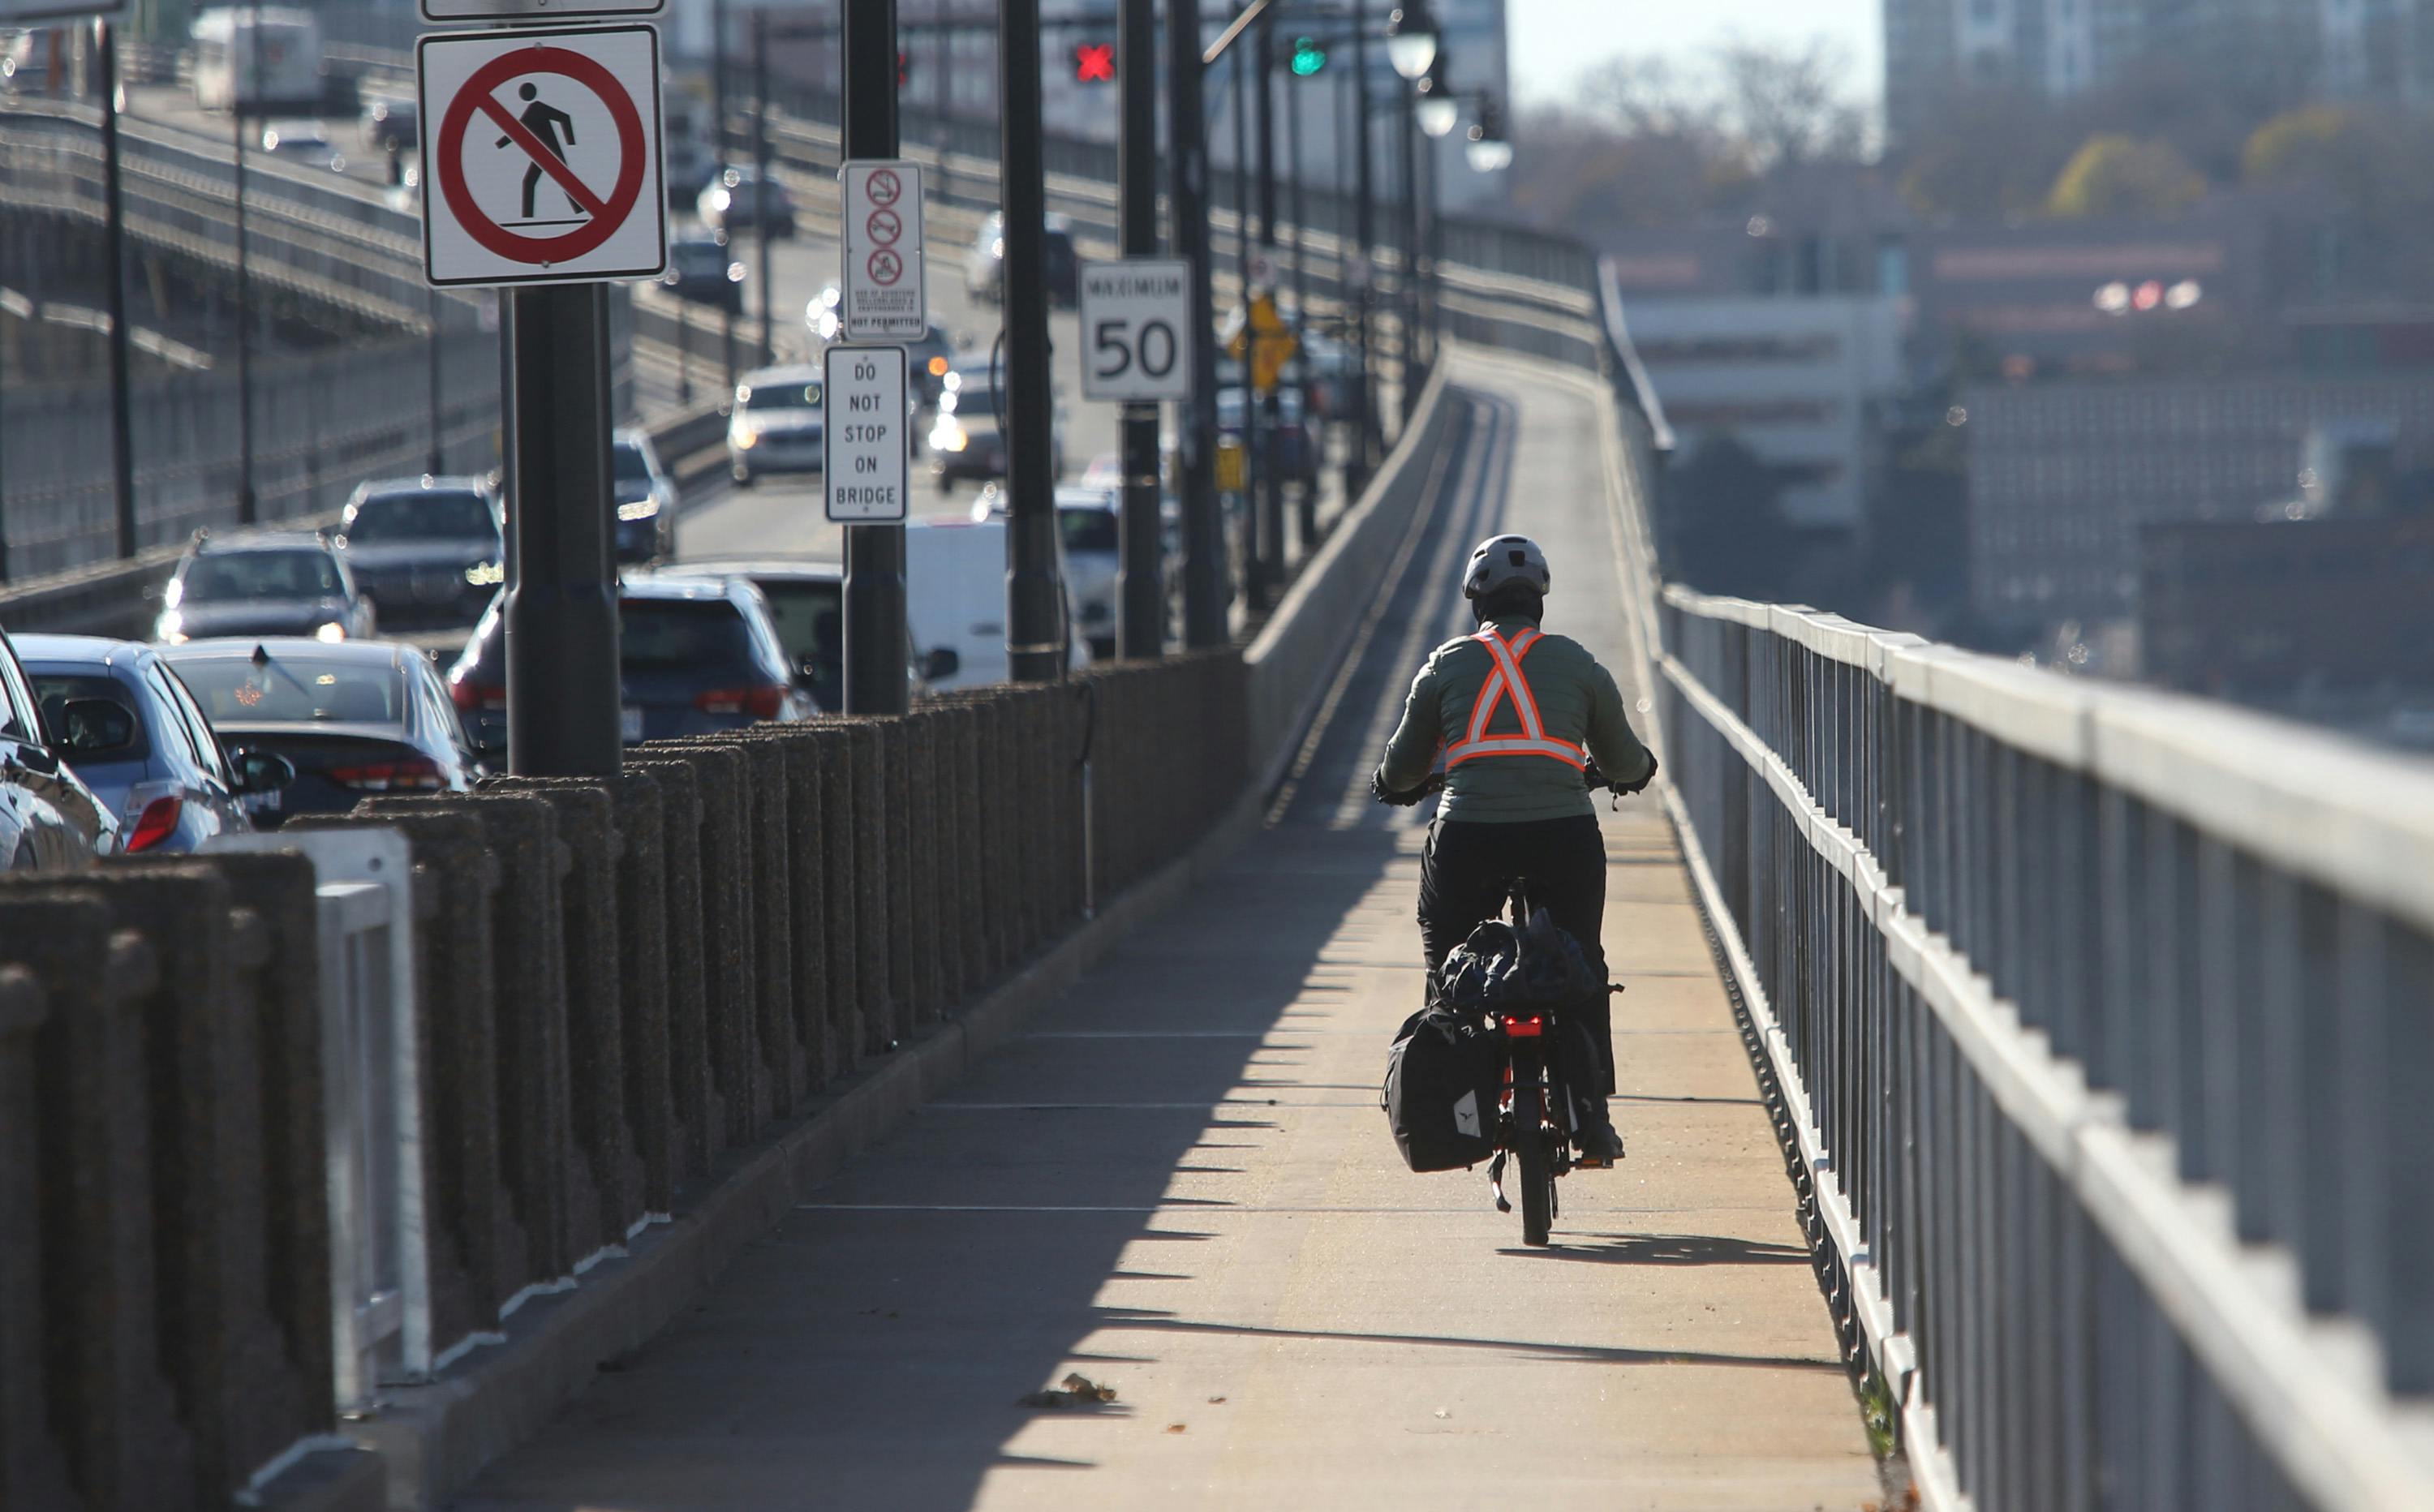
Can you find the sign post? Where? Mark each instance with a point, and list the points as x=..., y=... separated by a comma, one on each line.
x=541, y=178
x=865, y=447
x=874, y=553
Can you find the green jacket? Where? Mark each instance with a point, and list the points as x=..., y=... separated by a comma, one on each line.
x=1577, y=701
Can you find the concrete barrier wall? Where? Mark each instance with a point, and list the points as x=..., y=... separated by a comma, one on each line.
x=1296, y=653
x=620, y=982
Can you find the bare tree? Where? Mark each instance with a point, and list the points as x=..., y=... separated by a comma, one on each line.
x=1788, y=103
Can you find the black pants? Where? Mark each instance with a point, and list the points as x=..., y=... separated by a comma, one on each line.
x=1468, y=869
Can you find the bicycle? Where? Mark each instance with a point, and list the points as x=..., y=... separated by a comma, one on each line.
x=1536, y=1117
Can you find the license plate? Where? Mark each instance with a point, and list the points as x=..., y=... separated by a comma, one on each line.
x=630, y=724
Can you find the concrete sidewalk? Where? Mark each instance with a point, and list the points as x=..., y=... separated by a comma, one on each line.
x=1178, y=1184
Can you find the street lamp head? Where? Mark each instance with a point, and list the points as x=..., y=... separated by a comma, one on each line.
x=1488, y=151
x=1411, y=39
x=1439, y=109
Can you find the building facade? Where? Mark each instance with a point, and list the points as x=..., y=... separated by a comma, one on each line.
x=1799, y=381
x=2063, y=476
x=2270, y=50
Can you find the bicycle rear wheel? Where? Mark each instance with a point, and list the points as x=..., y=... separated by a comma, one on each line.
x=1537, y=1167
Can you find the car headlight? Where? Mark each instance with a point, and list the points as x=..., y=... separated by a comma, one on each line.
x=486, y=574
x=949, y=436
x=638, y=509
x=171, y=628
x=333, y=631
x=742, y=440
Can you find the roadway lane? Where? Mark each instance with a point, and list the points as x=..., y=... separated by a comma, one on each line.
x=1177, y=1183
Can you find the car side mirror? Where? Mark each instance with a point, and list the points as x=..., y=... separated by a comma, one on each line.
x=261, y=770
x=940, y=664
x=94, y=727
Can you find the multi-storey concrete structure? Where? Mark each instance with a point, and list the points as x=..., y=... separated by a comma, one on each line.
x=2269, y=50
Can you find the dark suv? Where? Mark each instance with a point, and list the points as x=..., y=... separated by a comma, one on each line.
x=276, y=583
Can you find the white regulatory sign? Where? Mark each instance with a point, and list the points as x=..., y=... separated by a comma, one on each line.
x=886, y=298
x=541, y=156
x=866, y=450
x=1135, y=329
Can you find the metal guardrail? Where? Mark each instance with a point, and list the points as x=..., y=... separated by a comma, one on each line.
x=2097, y=1021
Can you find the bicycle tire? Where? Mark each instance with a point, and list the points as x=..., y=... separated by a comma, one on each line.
x=1536, y=1169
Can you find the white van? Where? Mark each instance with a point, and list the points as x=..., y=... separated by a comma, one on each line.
x=954, y=599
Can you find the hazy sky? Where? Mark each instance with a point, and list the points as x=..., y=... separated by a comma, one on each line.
x=1554, y=40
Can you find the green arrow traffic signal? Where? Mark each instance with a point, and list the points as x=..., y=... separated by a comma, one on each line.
x=1308, y=56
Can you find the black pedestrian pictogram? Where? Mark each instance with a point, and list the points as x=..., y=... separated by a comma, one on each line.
x=544, y=121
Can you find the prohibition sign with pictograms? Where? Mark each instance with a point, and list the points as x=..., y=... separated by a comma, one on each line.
x=886, y=298
x=542, y=156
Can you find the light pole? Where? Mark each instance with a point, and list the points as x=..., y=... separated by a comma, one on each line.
x=1035, y=594
x=1412, y=37
x=1204, y=605
x=760, y=170
x=122, y=449
x=1141, y=598
x=247, y=509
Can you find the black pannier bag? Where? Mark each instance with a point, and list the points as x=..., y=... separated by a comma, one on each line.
x=1442, y=1079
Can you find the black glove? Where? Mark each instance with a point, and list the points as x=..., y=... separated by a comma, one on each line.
x=1385, y=794
x=1641, y=785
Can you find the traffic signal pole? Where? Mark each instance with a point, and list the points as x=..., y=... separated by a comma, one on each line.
x=1364, y=239
x=874, y=554
x=1271, y=499
x=1141, y=598
x=1034, y=593
x=1204, y=604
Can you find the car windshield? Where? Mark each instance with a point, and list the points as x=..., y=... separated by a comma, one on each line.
x=673, y=634
x=239, y=690
x=698, y=256
x=782, y=397
x=428, y=515
x=1088, y=530
x=632, y=467
x=298, y=574
x=56, y=691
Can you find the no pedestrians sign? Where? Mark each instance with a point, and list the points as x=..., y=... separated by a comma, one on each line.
x=541, y=153
x=886, y=295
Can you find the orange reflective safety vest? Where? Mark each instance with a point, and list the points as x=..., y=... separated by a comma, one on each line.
x=1509, y=680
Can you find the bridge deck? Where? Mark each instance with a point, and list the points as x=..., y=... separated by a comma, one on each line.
x=1179, y=1185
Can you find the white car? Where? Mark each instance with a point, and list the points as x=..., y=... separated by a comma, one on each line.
x=779, y=423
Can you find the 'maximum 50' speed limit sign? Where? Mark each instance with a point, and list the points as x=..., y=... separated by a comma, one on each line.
x=1137, y=330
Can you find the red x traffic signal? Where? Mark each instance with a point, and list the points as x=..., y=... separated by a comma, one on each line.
x=1094, y=63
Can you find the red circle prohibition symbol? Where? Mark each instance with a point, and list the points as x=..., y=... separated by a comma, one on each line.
x=608, y=213
x=886, y=227
x=883, y=187
x=886, y=266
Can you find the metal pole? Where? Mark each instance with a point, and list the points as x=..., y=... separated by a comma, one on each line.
x=1255, y=554
x=248, y=507
x=761, y=170
x=437, y=462
x=1203, y=603
x=1408, y=295
x=718, y=160
x=1035, y=596
x=561, y=609
x=122, y=441
x=1141, y=598
x=684, y=355
x=1271, y=502
x=1308, y=502
x=874, y=554
x=1364, y=237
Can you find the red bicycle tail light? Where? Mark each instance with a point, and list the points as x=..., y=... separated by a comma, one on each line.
x=413, y=774
x=1531, y=1028
x=158, y=821
x=756, y=703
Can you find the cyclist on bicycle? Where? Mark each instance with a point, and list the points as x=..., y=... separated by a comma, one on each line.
x=1519, y=716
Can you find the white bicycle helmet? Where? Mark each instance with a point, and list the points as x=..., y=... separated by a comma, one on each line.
x=1503, y=560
